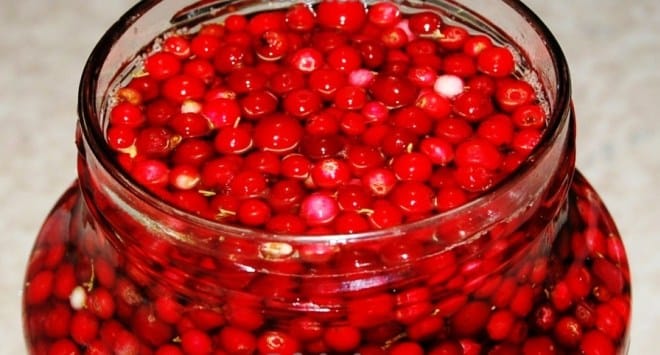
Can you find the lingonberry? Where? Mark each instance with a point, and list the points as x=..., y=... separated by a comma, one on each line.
x=352, y=198
x=272, y=45
x=568, y=332
x=482, y=83
x=245, y=80
x=126, y=114
x=384, y=14
x=162, y=65
x=100, y=303
x=257, y=104
x=322, y=147
x=189, y=125
x=56, y=322
x=349, y=222
x=277, y=133
x=379, y=181
x=196, y=342
x=526, y=139
x=540, y=345
x=330, y=173
x=393, y=91
x=352, y=124
x=286, y=224
x=231, y=57
x=513, y=93
x=496, y=61
x=300, y=17
x=342, y=338
x=532, y=116
x=177, y=45
x=412, y=167
x=344, y=59
x=275, y=342
x=253, y=212
x=394, y=37
x=218, y=172
x=346, y=16
x=121, y=139
x=236, y=23
x=263, y=161
x=412, y=119
x=459, y=64
x=151, y=173
x=478, y=152
x=307, y=60
x=435, y=105
x=361, y=77
x=322, y=124
x=384, y=214
x=450, y=197
x=373, y=53
x=326, y=82
x=248, y=183
x=474, y=45
x=437, y=149
x=350, y=98
x=473, y=105
x=474, y=178
x=233, y=140
x=318, y=209
x=396, y=141
x=301, y=103
x=422, y=76
x=424, y=23
x=286, y=80
x=183, y=87
x=498, y=129
x=205, y=46
x=413, y=197
x=200, y=68
x=363, y=158
x=448, y=85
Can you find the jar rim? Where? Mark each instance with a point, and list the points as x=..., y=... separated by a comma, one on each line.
x=94, y=138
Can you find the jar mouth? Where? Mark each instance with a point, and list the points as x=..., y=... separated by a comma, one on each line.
x=92, y=98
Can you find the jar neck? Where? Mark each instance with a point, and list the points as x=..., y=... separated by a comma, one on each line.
x=540, y=182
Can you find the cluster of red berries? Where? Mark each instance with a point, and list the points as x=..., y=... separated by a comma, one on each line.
x=329, y=119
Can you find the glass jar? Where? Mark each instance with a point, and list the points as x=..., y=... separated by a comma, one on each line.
x=535, y=266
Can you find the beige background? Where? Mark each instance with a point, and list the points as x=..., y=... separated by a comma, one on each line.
x=613, y=48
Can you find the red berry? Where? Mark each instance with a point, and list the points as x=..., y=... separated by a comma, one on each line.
x=413, y=197
x=277, y=133
x=426, y=22
x=347, y=16
x=300, y=17
x=393, y=91
x=162, y=65
x=318, y=209
x=496, y=61
x=183, y=87
x=342, y=338
x=384, y=14
x=127, y=115
x=478, y=152
x=196, y=342
x=330, y=173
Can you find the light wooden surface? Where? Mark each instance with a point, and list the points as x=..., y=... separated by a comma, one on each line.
x=612, y=47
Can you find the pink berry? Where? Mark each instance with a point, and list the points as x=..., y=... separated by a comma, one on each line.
x=319, y=209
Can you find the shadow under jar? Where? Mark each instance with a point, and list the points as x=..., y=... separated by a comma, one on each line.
x=535, y=265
